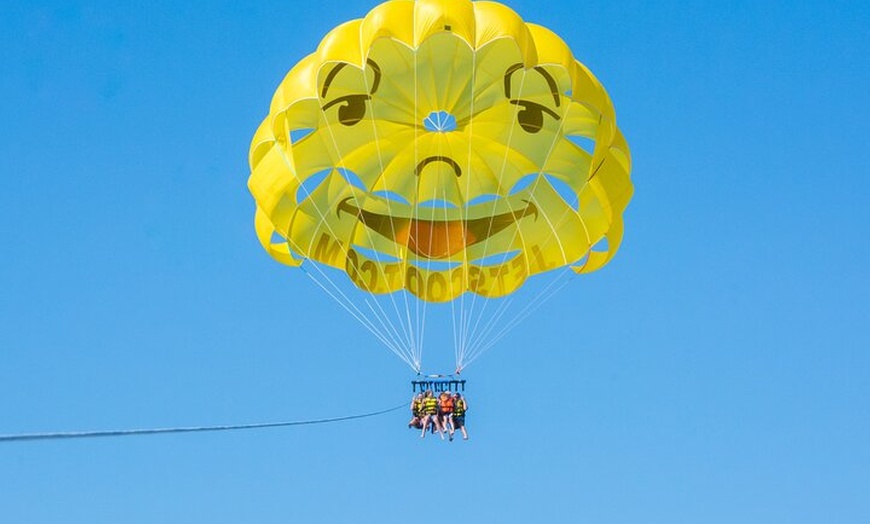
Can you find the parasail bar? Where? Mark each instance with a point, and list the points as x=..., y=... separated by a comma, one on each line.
x=437, y=385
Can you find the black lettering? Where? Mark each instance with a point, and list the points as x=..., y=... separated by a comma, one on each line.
x=436, y=287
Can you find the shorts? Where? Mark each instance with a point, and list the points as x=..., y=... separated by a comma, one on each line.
x=459, y=420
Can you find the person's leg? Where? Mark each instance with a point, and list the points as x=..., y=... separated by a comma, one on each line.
x=462, y=429
x=439, y=426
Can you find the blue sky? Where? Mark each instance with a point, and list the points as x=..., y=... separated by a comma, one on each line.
x=716, y=371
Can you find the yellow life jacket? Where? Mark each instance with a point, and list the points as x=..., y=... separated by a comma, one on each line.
x=459, y=407
x=430, y=405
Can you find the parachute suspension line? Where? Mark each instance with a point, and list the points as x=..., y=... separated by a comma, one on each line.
x=385, y=317
x=484, y=341
x=530, y=308
x=494, y=319
x=419, y=339
x=477, y=337
x=548, y=292
x=458, y=325
x=441, y=104
x=504, y=306
x=541, y=297
x=388, y=326
x=65, y=435
x=406, y=328
x=351, y=308
x=468, y=331
x=345, y=302
x=341, y=299
x=433, y=196
x=532, y=305
x=394, y=346
x=388, y=329
x=445, y=150
x=394, y=343
x=563, y=277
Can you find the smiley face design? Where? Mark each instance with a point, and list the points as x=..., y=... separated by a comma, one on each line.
x=440, y=147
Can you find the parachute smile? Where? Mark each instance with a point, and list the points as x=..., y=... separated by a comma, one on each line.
x=435, y=239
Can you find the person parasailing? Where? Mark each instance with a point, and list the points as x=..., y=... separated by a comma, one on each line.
x=416, y=412
x=460, y=406
x=445, y=413
x=430, y=414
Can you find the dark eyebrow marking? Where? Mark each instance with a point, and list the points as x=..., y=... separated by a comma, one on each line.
x=339, y=66
x=377, y=71
x=507, y=79
x=446, y=159
x=551, y=82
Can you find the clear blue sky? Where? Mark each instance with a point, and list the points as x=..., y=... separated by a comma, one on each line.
x=715, y=372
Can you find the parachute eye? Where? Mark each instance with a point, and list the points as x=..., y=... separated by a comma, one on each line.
x=531, y=116
x=352, y=110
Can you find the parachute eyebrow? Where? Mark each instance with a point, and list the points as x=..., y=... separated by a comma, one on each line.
x=551, y=82
x=339, y=66
x=377, y=71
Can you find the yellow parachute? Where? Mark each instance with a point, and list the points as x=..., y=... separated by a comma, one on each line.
x=440, y=147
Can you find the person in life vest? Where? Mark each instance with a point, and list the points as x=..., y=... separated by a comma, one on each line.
x=460, y=406
x=445, y=412
x=430, y=414
x=416, y=412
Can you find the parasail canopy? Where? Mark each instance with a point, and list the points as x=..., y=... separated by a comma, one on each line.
x=442, y=148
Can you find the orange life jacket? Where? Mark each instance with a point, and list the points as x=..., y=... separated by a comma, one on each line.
x=447, y=405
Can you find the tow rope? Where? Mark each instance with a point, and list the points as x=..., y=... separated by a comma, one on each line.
x=194, y=429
